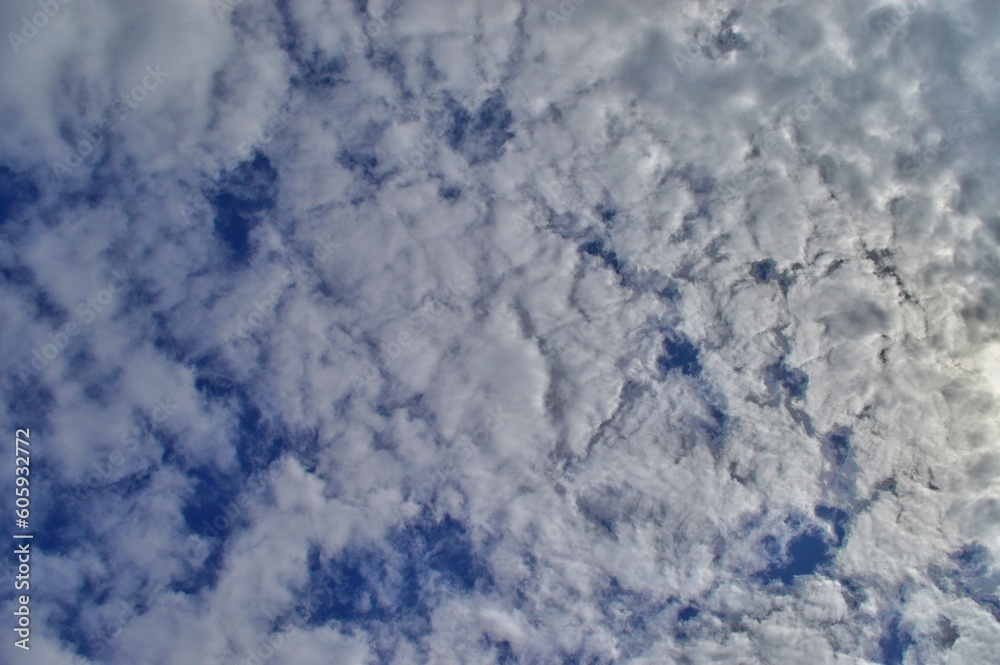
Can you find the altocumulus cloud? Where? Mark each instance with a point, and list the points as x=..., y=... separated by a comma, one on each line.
x=525, y=332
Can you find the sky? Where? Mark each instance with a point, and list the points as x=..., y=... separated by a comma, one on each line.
x=578, y=332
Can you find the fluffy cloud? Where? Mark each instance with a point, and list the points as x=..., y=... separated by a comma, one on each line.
x=537, y=332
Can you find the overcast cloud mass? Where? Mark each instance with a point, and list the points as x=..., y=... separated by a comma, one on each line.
x=523, y=331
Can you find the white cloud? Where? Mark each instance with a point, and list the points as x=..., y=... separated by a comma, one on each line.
x=483, y=336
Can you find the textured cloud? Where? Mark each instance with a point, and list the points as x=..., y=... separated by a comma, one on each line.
x=538, y=332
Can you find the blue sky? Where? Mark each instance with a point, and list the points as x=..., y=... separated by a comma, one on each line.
x=521, y=332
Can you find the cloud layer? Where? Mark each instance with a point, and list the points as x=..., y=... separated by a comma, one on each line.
x=534, y=332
